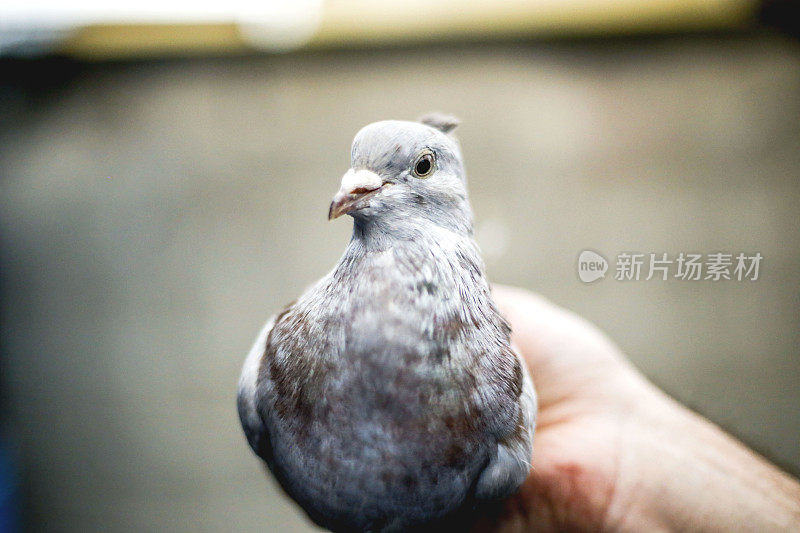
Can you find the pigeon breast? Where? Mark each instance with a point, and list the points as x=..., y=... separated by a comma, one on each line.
x=387, y=385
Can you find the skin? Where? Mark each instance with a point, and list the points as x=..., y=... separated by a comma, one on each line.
x=614, y=453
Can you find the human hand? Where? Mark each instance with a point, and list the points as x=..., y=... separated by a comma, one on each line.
x=614, y=453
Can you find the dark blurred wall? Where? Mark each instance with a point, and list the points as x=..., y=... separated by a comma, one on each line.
x=154, y=214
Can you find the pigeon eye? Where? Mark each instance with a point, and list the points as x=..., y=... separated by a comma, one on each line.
x=423, y=167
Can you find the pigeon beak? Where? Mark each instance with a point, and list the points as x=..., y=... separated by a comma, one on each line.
x=358, y=186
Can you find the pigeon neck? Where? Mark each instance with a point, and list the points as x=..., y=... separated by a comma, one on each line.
x=375, y=234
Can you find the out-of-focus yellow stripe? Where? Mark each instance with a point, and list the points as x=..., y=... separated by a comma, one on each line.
x=143, y=40
x=362, y=21
x=375, y=22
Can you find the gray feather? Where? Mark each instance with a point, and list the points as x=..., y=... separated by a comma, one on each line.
x=440, y=121
x=388, y=395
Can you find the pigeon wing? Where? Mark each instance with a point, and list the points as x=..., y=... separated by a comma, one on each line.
x=253, y=425
x=510, y=464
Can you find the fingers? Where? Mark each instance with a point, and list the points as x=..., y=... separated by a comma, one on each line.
x=568, y=357
x=542, y=330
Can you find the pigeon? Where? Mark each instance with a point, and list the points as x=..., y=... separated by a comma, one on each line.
x=389, y=396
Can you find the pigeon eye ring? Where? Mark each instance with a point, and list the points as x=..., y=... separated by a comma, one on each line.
x=424, y=165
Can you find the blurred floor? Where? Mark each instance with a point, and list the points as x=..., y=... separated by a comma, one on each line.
x=153, y=215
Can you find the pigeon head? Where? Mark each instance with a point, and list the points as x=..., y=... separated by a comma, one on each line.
x=405, y=175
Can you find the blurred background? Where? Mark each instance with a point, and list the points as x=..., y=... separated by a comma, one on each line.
x=165, y=174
